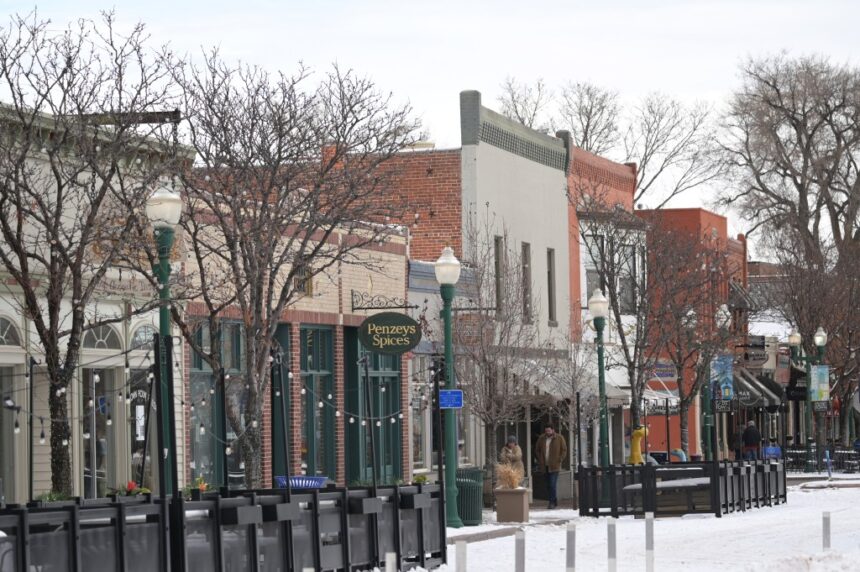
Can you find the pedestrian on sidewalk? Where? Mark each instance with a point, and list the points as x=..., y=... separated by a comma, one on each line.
x=551, y=450
x=752, y=441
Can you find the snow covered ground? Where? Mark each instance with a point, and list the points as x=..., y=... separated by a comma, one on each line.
x=783, y=538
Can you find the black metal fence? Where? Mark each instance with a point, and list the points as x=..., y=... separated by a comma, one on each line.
x=680, y=488
x=255, y=531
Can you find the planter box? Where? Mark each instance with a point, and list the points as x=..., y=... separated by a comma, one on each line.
x=512, y=505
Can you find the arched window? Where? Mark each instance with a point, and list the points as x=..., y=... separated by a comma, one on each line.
x=9, y=335
x=143, y=338
x=102, y=338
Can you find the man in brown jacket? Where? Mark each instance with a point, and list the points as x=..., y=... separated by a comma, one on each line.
x=551, y=450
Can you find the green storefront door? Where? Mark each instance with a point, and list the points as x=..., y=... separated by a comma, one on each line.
x=384, y=380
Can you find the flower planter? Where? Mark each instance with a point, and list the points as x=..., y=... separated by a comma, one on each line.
x=512, y=505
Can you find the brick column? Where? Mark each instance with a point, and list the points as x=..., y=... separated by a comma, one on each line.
x=339, y=402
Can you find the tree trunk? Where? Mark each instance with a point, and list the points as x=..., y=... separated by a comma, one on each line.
x=61, y=465
x=684, y=422
x=491, y=459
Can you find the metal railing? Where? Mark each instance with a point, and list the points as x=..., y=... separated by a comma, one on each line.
x=329, y=529
x=680, y=488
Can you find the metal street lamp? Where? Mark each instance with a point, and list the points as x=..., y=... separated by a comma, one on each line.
x=164, y=209
x=447, y=274
x=598, y=307
x=794, y=341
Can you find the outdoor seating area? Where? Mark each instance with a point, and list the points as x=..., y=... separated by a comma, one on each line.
x=841, y=460
x=329, y=529
x=680, y=488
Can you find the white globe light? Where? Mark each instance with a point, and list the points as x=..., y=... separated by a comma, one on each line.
x=794, y=339
x=447, y=267
x=820, y=337
x=164, y=208
x=598, y=305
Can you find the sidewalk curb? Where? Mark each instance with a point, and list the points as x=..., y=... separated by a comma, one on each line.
x=503, y=532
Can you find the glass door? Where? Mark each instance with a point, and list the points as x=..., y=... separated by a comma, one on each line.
x=317, y=426
x=97, y=432
x=141, y=430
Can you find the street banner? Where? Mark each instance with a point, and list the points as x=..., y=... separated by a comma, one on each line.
x=722, y=382
x=820, y=383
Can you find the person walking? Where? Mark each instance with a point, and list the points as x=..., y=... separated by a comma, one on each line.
x=512, y=455
x=752, y=441
x=551, y=450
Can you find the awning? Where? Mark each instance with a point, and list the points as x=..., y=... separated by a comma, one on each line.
x=751, y=392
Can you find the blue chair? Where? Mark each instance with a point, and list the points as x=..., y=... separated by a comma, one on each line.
x=301, y=482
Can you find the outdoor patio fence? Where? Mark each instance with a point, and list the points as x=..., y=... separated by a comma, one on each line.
x=680, y=488
x=331, y=529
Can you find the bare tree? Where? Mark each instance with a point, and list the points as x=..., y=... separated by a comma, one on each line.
x=501, y=354
x=615, y=243
x=525, y=103
x=76, y=167
x=791, y=148
x=286, y=190
x=691, y=276
x=673, y=144
x=590, y=113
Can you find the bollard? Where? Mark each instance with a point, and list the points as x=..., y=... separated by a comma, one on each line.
x=571, y=547
x=461, y=556
x=649, y=542
x=390, y=562
x=825, y=525
x=611, y=548
x=520, y=556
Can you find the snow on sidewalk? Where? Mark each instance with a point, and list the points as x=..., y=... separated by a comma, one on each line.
x=779, y=538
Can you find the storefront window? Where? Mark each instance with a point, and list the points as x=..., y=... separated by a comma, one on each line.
x=7, y=436
x=141, y=434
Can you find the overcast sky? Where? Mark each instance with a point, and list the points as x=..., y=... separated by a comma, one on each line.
x=427, y=52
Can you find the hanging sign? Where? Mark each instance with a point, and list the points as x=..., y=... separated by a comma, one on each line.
x=389, y=333
x=820, y=385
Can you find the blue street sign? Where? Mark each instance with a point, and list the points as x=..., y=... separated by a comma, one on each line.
x=451, y=398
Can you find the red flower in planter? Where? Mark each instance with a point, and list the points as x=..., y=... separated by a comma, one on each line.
x=130, y=487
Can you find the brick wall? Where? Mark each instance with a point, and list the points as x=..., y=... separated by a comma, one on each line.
x=428, y=184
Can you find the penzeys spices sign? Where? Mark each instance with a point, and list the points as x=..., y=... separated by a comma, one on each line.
x=389, y=333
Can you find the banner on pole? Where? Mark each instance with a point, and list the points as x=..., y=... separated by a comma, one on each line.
x=722, y=382
x=820, y=383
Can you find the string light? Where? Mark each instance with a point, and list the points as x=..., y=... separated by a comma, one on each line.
x=329, y=396
x=303, y=391
x=393, y=420
x=96, y=378
x=277, y=393
x=242, y=465
x=320, y=404
x=254, y=423
x=17, y=427
x=352, y=419
x=228, y=451
x=337, y=412
x=42, y=437
x=379, y=423
x=109, y=422
x=202, y=429
x=65, y=442
x=289, y=375
x=203, y=402
x=363, y=422
x=86, y=435
x=90, y=402
x=211, y=391
x=400, y=415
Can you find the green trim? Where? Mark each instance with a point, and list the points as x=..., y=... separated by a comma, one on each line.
x=319, y=370
x=279, y=432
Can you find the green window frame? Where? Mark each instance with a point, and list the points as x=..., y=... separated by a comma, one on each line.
x=317, y=378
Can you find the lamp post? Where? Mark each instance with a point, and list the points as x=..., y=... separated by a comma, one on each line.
x=794, y=342
x=598, y=307
x=447, y=274
x=164, y=208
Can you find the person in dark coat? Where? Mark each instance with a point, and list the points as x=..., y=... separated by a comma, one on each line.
x=752, y=441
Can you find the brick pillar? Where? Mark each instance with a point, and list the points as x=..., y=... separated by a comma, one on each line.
x=340, y=402
x=296, y=402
